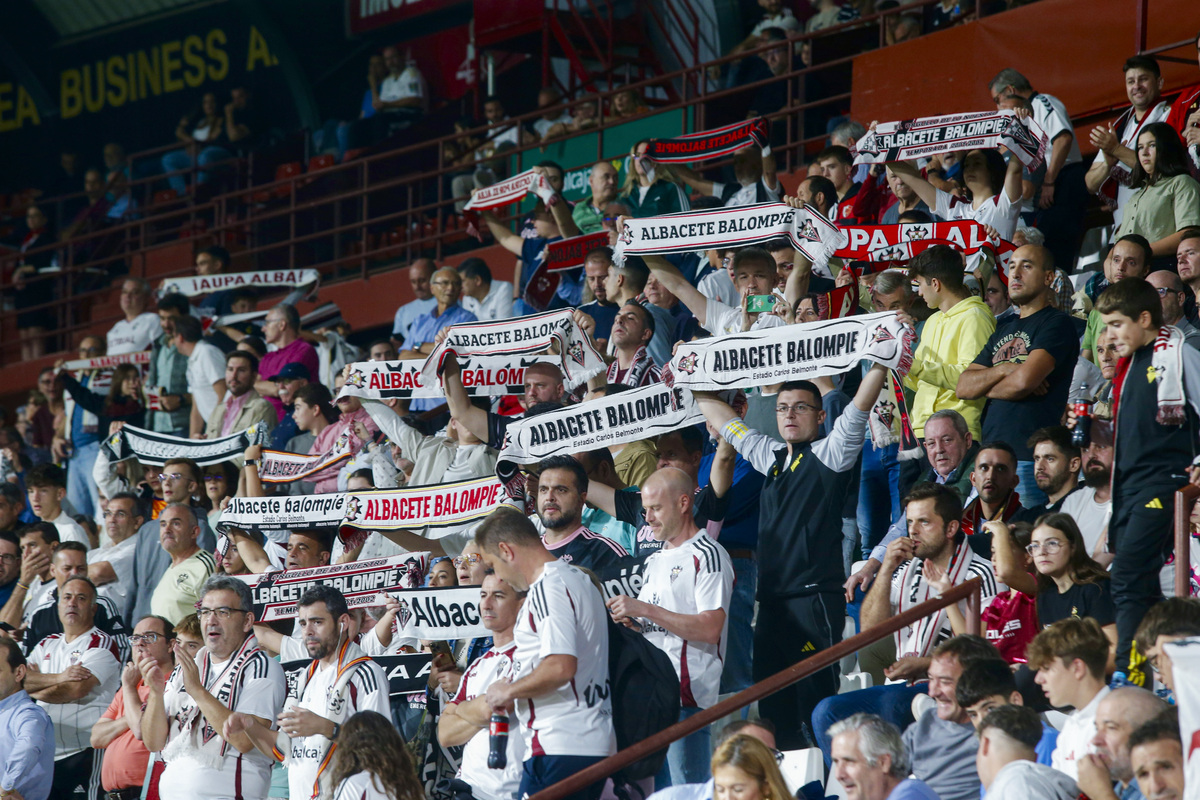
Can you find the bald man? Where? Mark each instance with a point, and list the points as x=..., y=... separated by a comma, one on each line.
x=1173, y=293
x=682, y=608
x=1107, y=774
x=589, y=213
x=543, y=387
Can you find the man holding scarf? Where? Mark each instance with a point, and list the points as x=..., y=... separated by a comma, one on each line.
x=632, y=330
x=186, y=720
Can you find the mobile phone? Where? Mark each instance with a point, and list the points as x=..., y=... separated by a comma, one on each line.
x=758, y=303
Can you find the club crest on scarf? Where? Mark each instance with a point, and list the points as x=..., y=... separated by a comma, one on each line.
x=353, y=509
x=881, y=334
x=808, y=231
x=357, y=379
x=688, y=363
x=917, y=232
x=886, y=411
x=404, y=614
x=626, y=236
x=575, y=351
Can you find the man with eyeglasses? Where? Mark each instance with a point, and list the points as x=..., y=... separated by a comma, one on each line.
x=111, y=567
x=281, y=328
x=802, y=607
x=1172, y=293
x=70, y=561
x=186, y=719
x=178, y=590
x=10, y=564
x=1171, y=620
x=118, y=731
x=447, y=287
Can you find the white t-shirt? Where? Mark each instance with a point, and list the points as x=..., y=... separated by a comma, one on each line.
x=489, y=784
x=747, y=195
x=368, y=691
x=693, y=578
x=719, y=286
x=1023, y=780
x=120, y=558
x=205, y=366
x=1075, y=738
x=362, y=786
x=409, y=83
x=997, y=211
x=69, y=530
x=261, y=694
x=720, y=319
x=1091, y=517
x=497, y=305
x=96, y=651
x=135, y=336
x=1050, y=113
x=564, y=614
x=36, y=598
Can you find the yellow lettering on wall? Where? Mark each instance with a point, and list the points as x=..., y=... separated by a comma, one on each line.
x=26, y=110
x=6, y=105
x=118, y=88
x=148, y=74
x=132, y=75
x=258, y=51
x=70, y=94
x=171, y=64
x=93, y=101
x=218, y=66
x=193, y=56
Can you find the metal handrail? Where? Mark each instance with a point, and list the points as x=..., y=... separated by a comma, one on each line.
x=969, y=591
x=1184, y=498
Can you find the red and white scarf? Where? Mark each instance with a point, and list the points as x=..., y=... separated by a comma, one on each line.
x=910, y=139
x=711, y=144
x=973, y=520
x=1166, y=369
x=889, y=244
x=503, y=193
x=921, y=637
x=278, y=466
x=106, y=362
x=642, y=370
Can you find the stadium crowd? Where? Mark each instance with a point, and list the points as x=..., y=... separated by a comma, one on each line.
x=1033, y=439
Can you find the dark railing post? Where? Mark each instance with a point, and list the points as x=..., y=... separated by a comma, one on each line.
x=1184, y=498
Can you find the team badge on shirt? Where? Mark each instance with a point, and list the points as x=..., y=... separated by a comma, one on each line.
x=1154, y=373
x=675, y=573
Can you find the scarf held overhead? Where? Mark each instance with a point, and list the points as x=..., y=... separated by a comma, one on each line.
x=439, y=505
x=911, y=139
x=197, y=285
x=793, y=352
x=278, y=466
x=521, y=335
x=707, y=145
x=155, y=449
x=898, y=243
x=106, y=362
x=265, y=515
x=809, y=231
x=503, y=193
x=481, y=376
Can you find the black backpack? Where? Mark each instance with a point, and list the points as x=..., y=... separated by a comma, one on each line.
x=645, y=696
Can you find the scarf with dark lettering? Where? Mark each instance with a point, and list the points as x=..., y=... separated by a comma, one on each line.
x=278, y=466
x=482, y=375
x=889, y=244
x=279, y=514
x=558, y=257
x=535, y=333
x=439, y=505
x=921, y=637
x=197, y=285
x=973, y=519
x=106, y=362
x=888, y=422
x=809, y=231
x=503, y=193
x=793, y=352
x=439, y=614
x=156, y=449
x=711, y=144
x=618, y=419
x=642, y=370
x=910, y=139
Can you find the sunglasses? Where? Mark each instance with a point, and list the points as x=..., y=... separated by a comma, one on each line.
x=470, y=558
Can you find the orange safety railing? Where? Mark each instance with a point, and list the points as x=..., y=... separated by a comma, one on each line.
x=1185, y=498
x=969, y=591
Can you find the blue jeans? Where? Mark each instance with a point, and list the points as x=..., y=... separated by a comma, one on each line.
x=687, y=758
x=739, y=644
x=892, y=702
x=81, y=489
x=1031, y=495
x=541, y=772
x=878, y=494
x=180, y=159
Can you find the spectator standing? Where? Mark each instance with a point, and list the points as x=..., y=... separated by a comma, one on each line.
x=447, y=286
x=1056, y=465
x=562, y=487
x=601, y=309
x=118, y=731
x=993, y=190
x=871, y=762
x=682, y=608
x=1128, y=257
x=486, y=298
x=205, y=372
x=186, y=720
x=80, y=437
x=77, y=673
x=168, y=371
x=632, y=330
x=1036, y=350
x=1091, y=505
x=178, y=590
x=243, y=406
x=26, y=731
x=140, y=327
x=589, y=212
x=627, y=283
x=46, y=486
x=1007, y=758
x=281, y=328
x=420, y=273
x=353, y=420
x=1166, y=198
x=290, y=380
x=1107, y=774
x=561, y=637
x=121, y=403
x=32, y=325
x=651, y=189
x=111, y=567
x=754, y=273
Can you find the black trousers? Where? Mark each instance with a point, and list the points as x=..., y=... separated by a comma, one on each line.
x=78, y=776
x=791, y=630
x=1063, y=220
x=1140, y=536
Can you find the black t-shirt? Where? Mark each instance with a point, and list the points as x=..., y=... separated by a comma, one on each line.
x=498, y=426
x=1014, y=420
x=46, y=622
x=1081, y=600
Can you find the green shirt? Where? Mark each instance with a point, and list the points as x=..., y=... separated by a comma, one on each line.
x=589, y=218
x=1161, y=209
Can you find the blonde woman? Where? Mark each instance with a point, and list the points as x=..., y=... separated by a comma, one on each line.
x=650, y=188
x=743, y=768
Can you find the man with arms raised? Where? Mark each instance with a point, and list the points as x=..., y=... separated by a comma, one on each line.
x=682, y=608
x=186, y=720
x=562, y=641
x=1007, y=763
x=543, y=384
x=754, y=273
x=465, y=720
x=340, y=682
x=870, y=761
x=801, y=577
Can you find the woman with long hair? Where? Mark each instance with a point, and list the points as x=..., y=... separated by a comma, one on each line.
x=220, y=483
x=122, y=403
x=651, y=189
x=371, y=762
x=743, y=768
x=1167, y=200
x=1070, y=583
x=994, y=190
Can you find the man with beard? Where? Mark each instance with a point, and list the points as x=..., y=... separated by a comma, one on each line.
x=243, y=407
x=340, y=682
x=561, y=491
x=1025, y=368
x=632, y=330
x=602, y=309
x=1091, y=506
x=1056, y=462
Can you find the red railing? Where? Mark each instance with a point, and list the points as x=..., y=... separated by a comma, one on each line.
x=1185, y=498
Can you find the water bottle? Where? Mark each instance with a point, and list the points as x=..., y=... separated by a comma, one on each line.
x=1120, y=680
x=498, y=741
x=1081, y=434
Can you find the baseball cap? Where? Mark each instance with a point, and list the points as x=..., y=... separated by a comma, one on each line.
x=291, y=371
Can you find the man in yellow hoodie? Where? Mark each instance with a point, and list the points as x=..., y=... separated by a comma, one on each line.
x=950, y=341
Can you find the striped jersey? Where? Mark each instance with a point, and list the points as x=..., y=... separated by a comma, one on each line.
x=489, y=784
x=96, y=651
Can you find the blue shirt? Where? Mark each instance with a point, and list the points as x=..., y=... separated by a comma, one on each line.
x=912, y=789
x=368, y=105
x=570, y=289
x=740, y=529
x=423, y=331
x=531, y=250
x=604, y=314
x=27, y=742
x=407, y=314
x=80, y=437
x=285, y=430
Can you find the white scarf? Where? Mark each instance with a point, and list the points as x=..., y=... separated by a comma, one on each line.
x=911, y=139
x=482, y=375
x=1167, y=363
x=154, y=448
x=275, y=593
x=278, y=466
x=441, y=505
x=914, y=589
x=196, y=285
x=106, y=362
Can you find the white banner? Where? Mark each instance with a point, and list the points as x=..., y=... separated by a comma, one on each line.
x=509, y=191
x=482, y=375
x=792, y=352
x=910, y=139
x=1185, y=664
x=282, y=513
x=276, y=593
x=450, y=612
x=106, y=362
x=197, y=285
x=154, y=448
x=439, y=505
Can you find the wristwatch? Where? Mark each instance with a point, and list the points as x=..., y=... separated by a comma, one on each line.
x=336, y=730
x=251, y=462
